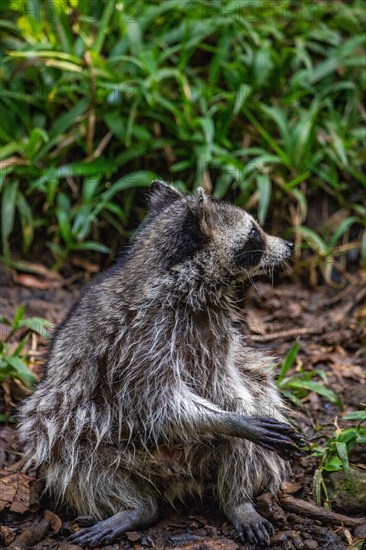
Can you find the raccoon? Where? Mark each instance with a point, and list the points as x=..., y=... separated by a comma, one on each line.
x=151, y=392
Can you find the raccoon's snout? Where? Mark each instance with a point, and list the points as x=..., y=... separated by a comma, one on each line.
x=290, y=246
x=277, y=250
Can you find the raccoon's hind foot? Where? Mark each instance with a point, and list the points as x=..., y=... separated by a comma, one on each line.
x=107, y=531
x=249, y=525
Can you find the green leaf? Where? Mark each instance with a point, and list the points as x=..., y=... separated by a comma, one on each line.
x=63, y=217
x=18, y=317
x=333, y=464
x=109, y=9
x=92, y=245
x=4, y=419
x=90, y=187
x=315, y=387
x=20, y=370
x=343, y=454
x=4, y=320
x=314, y=240
x=61, y=125
x=26, y=220
x=264, y=188
x=37, y=324
x=130, y=181
x=267, y=137
x=8, y=203
x=46, y=54
x=341, y=229
x=20, y=346
x=359, y=416
x=317, y=487
x=37, y=137
x=289, y=361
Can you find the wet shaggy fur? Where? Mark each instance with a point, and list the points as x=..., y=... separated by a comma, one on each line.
x=149, y=375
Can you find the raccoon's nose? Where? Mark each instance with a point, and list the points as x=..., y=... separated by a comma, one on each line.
x=290, y=246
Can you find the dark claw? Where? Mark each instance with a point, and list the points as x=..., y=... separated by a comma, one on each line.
x=256, y=533
x=90, y=536
x=281, y=438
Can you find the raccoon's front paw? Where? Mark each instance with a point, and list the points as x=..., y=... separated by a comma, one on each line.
x=280, y=437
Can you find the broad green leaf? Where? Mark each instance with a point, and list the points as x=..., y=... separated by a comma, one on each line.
x=343, y=454
x=333, y=464
x=359, y=416
x=37, y=324
x=315, y=387
x=20, y=370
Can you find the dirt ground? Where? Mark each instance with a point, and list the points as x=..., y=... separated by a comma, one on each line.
x=329, y=323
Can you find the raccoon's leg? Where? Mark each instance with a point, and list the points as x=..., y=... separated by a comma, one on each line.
x=199, y=414
x=105, y=532
x=243, y=471
x=267, y=432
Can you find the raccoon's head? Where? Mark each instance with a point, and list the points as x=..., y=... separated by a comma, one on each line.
x=198, y=234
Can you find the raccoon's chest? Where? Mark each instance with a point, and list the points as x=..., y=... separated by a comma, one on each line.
x=211, y=371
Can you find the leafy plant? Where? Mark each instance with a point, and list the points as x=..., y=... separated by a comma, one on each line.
x=262, y=105
x=297, y=386
x=12, y=363
x=334, y=455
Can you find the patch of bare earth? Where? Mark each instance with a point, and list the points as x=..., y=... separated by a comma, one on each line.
x=330, y=326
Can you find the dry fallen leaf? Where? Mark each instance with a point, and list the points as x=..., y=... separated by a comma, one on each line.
x=18, y=492
x=54, y=521
x=30, y=281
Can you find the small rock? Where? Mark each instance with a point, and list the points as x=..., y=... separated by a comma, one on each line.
x=311, y=544
x=133, y=536
x=7, y=535
x=280, y=536
x=211, y=531
x=347, y=490
x=291, y=535
x=360, y=531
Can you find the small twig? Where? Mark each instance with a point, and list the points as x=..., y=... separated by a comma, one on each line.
x=285, y=334
x=99, y=150
x=309, y=509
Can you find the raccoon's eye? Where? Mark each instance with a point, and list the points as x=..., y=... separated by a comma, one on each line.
x=254, y=233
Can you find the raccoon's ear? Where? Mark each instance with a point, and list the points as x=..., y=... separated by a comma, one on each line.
x=202, y=209
x=162, y=195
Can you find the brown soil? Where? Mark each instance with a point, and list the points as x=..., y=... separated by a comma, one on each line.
x=329, y=324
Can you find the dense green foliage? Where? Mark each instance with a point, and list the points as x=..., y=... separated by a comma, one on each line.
x=335, y=453
x=13, y=363
x=261, y=102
